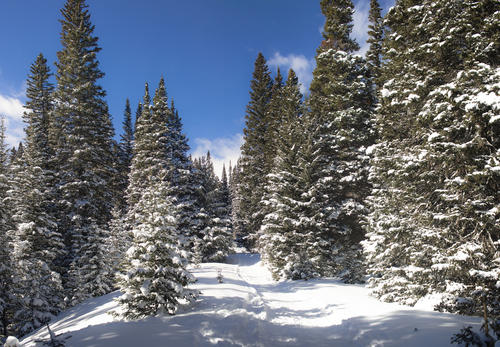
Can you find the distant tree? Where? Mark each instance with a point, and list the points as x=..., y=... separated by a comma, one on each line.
x=216, y=236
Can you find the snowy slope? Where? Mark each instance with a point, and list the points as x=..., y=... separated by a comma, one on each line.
x=249, y=309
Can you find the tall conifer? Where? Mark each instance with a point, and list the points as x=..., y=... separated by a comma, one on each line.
x=81, y=134
x=340, y=130
x=252, y=163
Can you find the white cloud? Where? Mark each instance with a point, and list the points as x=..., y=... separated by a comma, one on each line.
x=360, y=25
x=222, y=150
x=302, y=66
x=12, y=109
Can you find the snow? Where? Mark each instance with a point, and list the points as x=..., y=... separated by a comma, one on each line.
x=250, y=309
x=11, y=342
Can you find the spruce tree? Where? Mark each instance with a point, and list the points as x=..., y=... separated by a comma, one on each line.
x=252, y=162
x=81, y=133
x=127, y=137
x=216, y=236
x=38, y=242
x=155, y=277
x=6, y=287
x=375, y=36
x=434, y=226
x=123, y=159
x=184, y=184
x=286, y=237
x=341, y=130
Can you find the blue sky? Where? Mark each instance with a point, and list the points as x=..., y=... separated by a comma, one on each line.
x=204, y=48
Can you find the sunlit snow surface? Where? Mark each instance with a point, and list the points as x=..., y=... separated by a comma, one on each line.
x=250, y=309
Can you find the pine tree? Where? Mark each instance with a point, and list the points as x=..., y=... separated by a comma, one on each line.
x=37, y=239
x=81, y=133
x=138, y=113
x=434, y=226
x=216, y=236
x=123, y=153
x=253, y=159
x=155, y=277
x=341, y=130
x=127, y=137
x=286, y=237
x=375, y=36
x=6, y=287
x=185, y=187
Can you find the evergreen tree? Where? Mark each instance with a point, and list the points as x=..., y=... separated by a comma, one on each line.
x=6, y=285
x=273, y=119
x=434, y=226
x=123, y=153
x=286, y=238
x=216, y=238
x=375, y=36
x=37, y=239
x=252, y=162
x=185, y=186
x=138, y=113
x=341, y=130
x=81, y=133
x=155, y=277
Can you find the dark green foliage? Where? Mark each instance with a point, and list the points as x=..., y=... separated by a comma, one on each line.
x=80, y=133
x=253, y=152
x=338, y=25
x=340, y=129
x=375, y=36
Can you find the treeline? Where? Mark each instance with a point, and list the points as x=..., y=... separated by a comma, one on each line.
x=82, y=215
x=389, y=170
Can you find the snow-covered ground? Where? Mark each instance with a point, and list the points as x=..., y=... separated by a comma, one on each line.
x=250, y=309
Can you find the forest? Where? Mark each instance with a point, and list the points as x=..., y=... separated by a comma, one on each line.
x=387, y=172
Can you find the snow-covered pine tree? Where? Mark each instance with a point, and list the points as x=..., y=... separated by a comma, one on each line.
x=375, y=37
x=185, y=188
x=138, y=113
x=234, y=192
x=341, y=129
x=435, y=222
x=252, y=161
x=286, y=237
x=217, y=235
x=127, y=137
x=6, y=225
x=38, y=242
x=155, y=277
x=81, y=133
x=273, y=119
x=123, y=152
